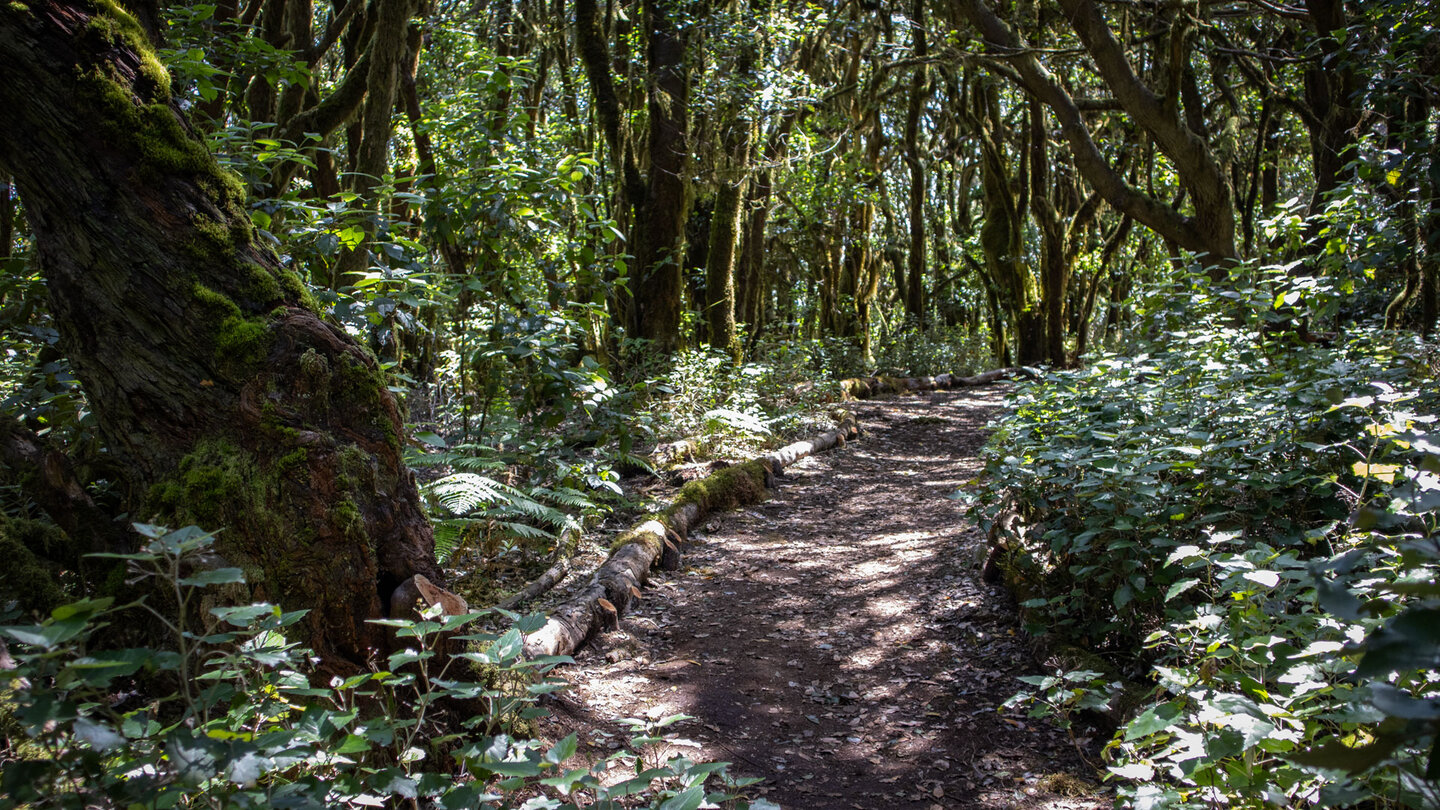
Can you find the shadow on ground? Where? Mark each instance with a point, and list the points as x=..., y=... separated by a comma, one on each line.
x=837, y=641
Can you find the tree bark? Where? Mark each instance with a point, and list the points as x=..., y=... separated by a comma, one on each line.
x=1329, y=88
x=1002, y=233
x=661, y=221
x=216, y=385
x=914, y=289
x=372, y=157
x=733, y=169
x=7, y=217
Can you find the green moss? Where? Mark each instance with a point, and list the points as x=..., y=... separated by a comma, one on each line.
x=263, y=287
x=345, y=516
x=654, y=543
x=220, y=486
x=352, y=467
x=118, y=27
x=361, y=385
x=726, y=489
x=242, y=343
x=138, y=109
x=292, y=460
x=216, y=473
x=29, y=576
x=216, y=306
x=18, y=7
x=212, y=240
x=296, y=292
x=314, y=366
x=154, y=128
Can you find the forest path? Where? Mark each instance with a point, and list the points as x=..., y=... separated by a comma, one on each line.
x=837, y=640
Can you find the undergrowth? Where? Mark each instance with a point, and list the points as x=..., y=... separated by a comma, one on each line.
x=1249, y=524
x=232, y=713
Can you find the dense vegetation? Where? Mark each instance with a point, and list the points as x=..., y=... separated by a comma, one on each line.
x=261, y=260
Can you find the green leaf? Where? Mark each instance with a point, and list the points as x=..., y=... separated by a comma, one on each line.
x=1180, y=587
x=218, y=576
x=688, y=799
x=511, y=768
x=507, y=646
x=99, y=736
x=352, y=744
x=1268, y=579
x=562, y=750
x=1153, y=720
x=83, y=609
x=1398, y=703
x=1336, y=755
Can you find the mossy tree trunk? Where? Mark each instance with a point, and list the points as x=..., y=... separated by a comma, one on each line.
x=7, y=217
x=219, y=389
x=1063, y=218
x=1003, y=231
x=372, y=154
x=1210, y=231
x=661, y=219
x=914, y=289
x=733, y=169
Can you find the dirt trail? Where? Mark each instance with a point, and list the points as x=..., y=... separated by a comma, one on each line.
x=837, y=640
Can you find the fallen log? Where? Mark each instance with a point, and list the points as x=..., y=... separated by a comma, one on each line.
x=866, y=387
x=617, y=582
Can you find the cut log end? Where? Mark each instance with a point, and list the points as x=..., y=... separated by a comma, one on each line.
x=417, y=594
x=607, y=614
x=670, y=558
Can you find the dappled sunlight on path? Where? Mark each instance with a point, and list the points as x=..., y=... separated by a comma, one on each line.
x=836, y=639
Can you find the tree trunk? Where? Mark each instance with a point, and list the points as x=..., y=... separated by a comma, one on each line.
x=720, y=266
x=662, y=218
x=914, y=289
x=1330, y=87
x=1002, y=234
x=372, y=158
x=1211, y=230
x=227, y=399
x=7, y=217
x=733, y=169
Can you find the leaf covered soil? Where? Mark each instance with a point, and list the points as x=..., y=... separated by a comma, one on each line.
x=837, y=640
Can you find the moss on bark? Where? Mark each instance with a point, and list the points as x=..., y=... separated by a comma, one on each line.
x=727, y=488
x=28, y=576
x=226, y=399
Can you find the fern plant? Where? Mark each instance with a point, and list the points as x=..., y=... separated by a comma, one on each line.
x=475, y=504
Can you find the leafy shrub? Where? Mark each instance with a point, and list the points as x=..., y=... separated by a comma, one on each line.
x=1251, y=524
x=912, y=352
x=738, y=406
x=245, y=723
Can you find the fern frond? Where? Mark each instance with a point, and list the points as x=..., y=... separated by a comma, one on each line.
x=536, y=511
x=463, y=493
x=456, y=459
x=449, y=534
x=525, y=530
x=565, y=497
